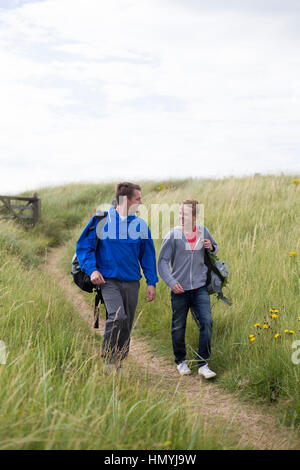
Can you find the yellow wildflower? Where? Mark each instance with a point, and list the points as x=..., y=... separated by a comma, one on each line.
x=167, y=443
x=274, y=315
x=291, y=332
x=252, y=339
x=265, y=326
x=286, y=331
x=160, y=187
x=257, y=325
x=296, y=181
x=277, y=335
x=293, y=253
x=251, y=336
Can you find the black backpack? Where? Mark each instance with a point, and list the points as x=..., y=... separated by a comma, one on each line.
x=81, y=279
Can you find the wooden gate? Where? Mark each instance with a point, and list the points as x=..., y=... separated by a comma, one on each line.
x=19, y=210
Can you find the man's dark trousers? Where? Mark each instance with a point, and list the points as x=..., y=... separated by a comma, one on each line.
x=120, y=299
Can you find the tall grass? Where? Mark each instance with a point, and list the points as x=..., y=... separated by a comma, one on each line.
x=255, y=221
x=63, y=208
x=54, y=393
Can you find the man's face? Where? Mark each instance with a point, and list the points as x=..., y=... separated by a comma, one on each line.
x=186, y=217
x=134, y=202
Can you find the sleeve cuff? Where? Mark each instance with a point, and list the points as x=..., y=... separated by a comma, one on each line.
x=172, y=283
x=152, y=283
x=89, y=271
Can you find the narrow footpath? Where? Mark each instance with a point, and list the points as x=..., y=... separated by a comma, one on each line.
x=256, y=429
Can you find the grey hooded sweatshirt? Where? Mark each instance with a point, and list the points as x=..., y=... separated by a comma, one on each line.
x=187, y=266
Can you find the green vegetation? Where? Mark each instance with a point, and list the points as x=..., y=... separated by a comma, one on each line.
x=255, y=221
x=54, y=393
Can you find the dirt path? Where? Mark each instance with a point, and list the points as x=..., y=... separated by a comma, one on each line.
x=255, y=428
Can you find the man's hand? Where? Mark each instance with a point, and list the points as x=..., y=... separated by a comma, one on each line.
x=97, y=278
x=177, y=289
x=151, y=291
x=207, y=244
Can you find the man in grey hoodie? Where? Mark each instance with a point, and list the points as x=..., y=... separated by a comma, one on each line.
x=183, y=249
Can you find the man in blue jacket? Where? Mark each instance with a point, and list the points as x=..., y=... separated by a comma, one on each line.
x=125, y=245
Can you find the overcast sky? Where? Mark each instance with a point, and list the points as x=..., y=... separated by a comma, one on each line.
x=95, y=90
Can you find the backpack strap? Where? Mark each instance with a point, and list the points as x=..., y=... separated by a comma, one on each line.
x=208, y=264
x=98, y=296
x=93, y=227
x=95, y=217
x=98, y=300
x=222, y=297
x=211, y=267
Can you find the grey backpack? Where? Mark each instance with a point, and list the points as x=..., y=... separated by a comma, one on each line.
x=217, y=276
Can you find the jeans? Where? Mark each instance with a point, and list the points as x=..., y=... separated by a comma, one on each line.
x=199, y=302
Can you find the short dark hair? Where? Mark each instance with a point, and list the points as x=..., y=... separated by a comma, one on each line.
x=192, y=203
x=126, y=189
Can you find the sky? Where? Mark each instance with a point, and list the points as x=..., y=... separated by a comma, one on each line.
x=129, y=90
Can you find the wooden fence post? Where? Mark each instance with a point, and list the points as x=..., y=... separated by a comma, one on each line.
x=36, y=209
x=8, y=210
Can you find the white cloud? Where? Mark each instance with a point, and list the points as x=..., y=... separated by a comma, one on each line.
x=145, y=89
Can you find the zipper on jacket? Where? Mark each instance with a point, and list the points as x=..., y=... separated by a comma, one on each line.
x=191, y=260
x=191, y=269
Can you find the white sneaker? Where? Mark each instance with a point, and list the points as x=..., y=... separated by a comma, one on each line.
x=206, y=372
x=183, y=368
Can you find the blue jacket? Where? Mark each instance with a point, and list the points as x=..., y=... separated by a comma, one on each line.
x=124, y=246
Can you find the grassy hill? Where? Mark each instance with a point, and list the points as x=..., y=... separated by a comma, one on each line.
x=53, y=391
